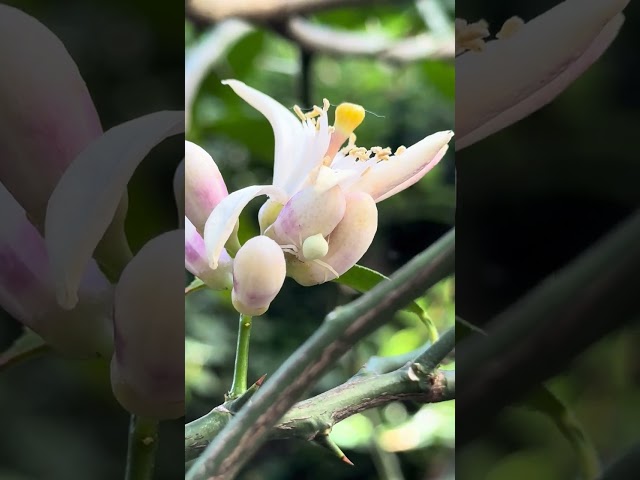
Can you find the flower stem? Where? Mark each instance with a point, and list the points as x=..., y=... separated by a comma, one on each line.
x=239, y=385
x=143, y=441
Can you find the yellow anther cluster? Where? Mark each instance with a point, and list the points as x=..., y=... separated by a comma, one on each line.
x=401, y=149
x=361, y=153
x=471, y=36
x=315, y=112
x=510, y=27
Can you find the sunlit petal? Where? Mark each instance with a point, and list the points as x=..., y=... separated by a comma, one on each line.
x=388, y=175
x=222, y=220
x=287, y=129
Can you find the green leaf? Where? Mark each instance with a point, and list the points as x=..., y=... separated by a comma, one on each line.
x=546, y=402
x=363, y=279
x=26, y=346
x=196, y=284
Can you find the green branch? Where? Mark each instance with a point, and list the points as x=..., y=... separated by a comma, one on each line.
x=342, y=328
x=539, y=335
x=387, y=379
x=143, y=442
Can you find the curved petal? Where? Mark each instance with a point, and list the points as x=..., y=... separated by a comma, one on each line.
x=222, y=220
x=87, y=196
x=417, y=177
x=27, y=294
x=195, y=261
x=512, y=69
x=347, y=243
x=547, y=92
x=287, y=129
x=388, y=175
x=308, y=213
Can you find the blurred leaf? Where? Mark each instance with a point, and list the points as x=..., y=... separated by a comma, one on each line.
x=26, y=345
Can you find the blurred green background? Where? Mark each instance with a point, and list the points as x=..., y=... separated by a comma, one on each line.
x=59, y=418
x=530, y=198
x=406, y=103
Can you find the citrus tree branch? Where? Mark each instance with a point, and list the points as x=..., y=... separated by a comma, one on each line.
x=342, y=328
x=333, y=41
x=412, y=379
x=539, y=335
x=260, y=10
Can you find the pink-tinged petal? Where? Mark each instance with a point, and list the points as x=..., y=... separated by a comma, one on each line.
x=259, y=270
x=47, y=116
x=347, y=243
x=87, y=197
x=309, y=212
x=515, y=76
x=195, y=261
x=178, y=191
x=287, y=130
x=147, y=368
x=204, y=185
x=388, y=175
x=27, y=290
x=223, y=219
x=415, y=178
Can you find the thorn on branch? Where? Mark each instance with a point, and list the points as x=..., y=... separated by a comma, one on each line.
x=235, y=405
x=325, y=441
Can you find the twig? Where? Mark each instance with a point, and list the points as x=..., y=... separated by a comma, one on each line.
x=143, y=442
x=313, y=417
x=624, y=468
x=333, y=41
x=261, y=10
x=342, y=328
x=540, y=334
x=212, y=48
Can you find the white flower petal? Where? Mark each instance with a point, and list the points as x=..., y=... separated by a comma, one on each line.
x=389, y=175
x=87, y=196
x=314, y=146
x=510, y=70
x=222, y=220
x=415, y=178
x=287, y=129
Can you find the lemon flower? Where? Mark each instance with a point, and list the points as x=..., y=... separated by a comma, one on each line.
x=527, y=65
x=321, y=209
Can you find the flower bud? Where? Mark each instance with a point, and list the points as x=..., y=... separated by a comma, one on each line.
x=147, y=368
x=259, y=270
x=195, y=261
x=204, y=185
x=47, y=114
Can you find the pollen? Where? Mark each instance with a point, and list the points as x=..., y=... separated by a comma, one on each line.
x=510, y=28
x=298, y=111
x=401, y=149
x=470, y=36
x=348, y=117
